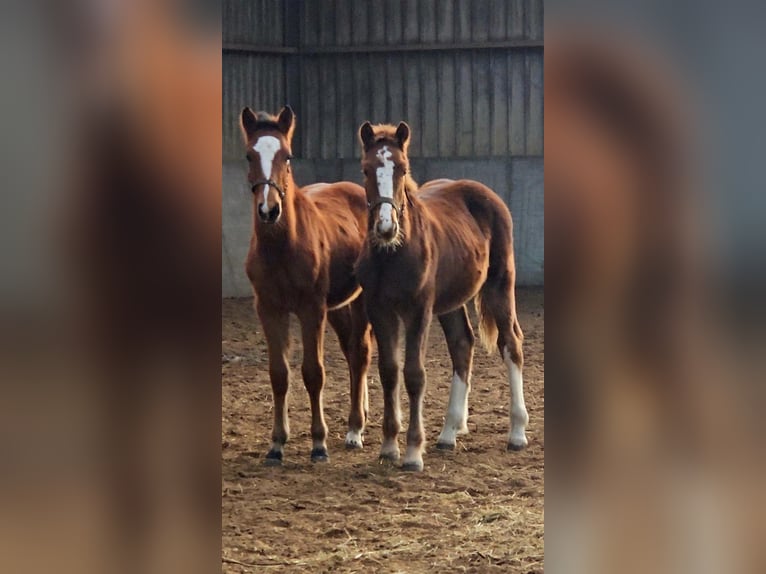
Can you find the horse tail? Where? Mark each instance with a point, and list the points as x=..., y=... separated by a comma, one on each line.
x=494, y=300
x=487, y=324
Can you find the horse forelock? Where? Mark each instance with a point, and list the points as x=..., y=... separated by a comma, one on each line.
x=264, y=120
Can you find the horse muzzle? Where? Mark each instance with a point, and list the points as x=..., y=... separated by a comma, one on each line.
x=387, y=233
x=269, y=216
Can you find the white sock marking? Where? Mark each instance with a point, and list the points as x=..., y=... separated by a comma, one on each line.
x=519, y=416
x=455, y=422
x=266, y=147
x=385, y=176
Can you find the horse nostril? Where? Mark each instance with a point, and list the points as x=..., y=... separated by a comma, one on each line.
x=274, y=213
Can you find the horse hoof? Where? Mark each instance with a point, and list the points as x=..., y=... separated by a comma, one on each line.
x=353, y=440
x=388, y=458
x=445, y=446
x=319, y=455
x=413, y=466
x=273, y=458
x=516, y=447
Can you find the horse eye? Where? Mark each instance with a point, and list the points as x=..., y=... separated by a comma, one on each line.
x=248, y=158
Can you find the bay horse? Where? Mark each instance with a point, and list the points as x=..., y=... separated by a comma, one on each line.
x=430, y=251
x=301, y=261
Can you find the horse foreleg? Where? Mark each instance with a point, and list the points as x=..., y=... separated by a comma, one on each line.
x=353, y=329
x=385, y=324
x=312, y=330
x=275, y=327
x=416, y=323
x=460, y=341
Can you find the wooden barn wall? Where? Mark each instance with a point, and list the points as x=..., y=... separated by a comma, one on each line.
x=460, y=102
x=467, y=75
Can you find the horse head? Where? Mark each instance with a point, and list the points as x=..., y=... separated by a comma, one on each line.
x=268, y=139
x=385, y=166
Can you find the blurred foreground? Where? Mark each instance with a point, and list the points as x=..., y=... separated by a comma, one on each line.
x=654, y=379
x=110, y=294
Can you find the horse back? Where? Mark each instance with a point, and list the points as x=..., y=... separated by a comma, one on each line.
x=472, y=230
x=341, y=213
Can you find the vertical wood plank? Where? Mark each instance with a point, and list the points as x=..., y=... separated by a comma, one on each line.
x=411, y=22
x=445, y=21
x=481, y=109
x=359, y=23
x=464, y=99
x=534, y=20
x=446, y=98
x=516, y=19
x=328, y=102
x=497, y=20
x=463, y=21
x=377, y=22
x=342, y=22
x=427, y=21
x=516, y=119
x=413, y=112
x=430, y=108
x=377, y=64
x=311, y=110
x=534, y=126
x=345, y=111
x=393, y=16
x=499, y=91
x=309, y=28
x=327, y=23
x=362, y=89
x=480, y=20
x=395, y=87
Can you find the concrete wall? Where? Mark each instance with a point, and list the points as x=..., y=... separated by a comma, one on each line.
x=518, y=180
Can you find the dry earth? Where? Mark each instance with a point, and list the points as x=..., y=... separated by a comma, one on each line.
x=477, y=509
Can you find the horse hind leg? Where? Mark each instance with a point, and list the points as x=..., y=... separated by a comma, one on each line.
x=497, y=311
x=353, y=329
x=509, y=343
x=460, y=341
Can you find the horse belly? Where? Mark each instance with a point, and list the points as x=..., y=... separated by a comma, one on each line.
x=460, y=276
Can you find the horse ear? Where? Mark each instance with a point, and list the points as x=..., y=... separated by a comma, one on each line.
x=403, y=135
x=286, y=122
x=247, y=122
x=366, y=135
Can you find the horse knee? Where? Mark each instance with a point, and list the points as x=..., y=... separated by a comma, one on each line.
x=389, y=371
x=313, y=374
x=414, y=377
x=279, y=373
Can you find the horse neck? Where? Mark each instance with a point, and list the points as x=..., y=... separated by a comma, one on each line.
x=412, y=209
x=284, y=232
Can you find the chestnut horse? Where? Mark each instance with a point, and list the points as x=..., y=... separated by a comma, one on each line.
x=430, y=251
x=301, y=261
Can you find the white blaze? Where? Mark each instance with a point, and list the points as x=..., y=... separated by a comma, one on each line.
x=385, y=175
x=266, y=147
x=519, y=416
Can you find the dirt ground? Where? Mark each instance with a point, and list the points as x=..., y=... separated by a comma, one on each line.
x=477, y=509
